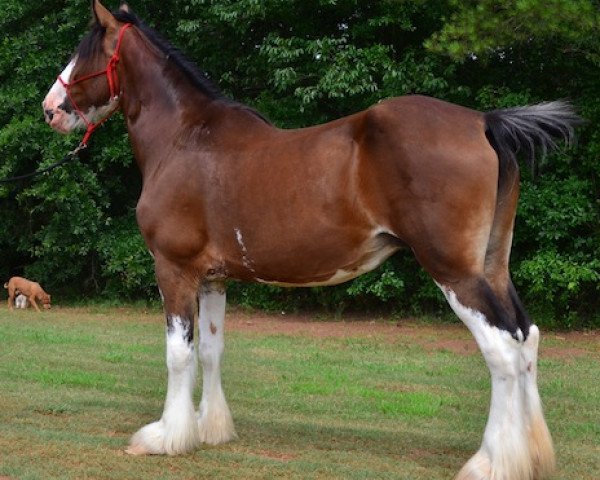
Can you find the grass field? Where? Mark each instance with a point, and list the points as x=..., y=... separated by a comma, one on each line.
x=311, y=400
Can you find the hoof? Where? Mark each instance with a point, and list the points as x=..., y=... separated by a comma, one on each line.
x=159, y=438
x=136, y=450
x=477, y=468
x=216, y=426
x=481, y=467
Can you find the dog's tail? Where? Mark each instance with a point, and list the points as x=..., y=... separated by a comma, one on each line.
x=6, y=285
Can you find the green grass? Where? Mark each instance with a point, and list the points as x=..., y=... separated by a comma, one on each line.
x=76, y=383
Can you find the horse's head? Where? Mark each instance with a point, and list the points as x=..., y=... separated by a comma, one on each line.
x=87, y=90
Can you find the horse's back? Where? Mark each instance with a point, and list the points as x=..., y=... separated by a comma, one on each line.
x=423, y=131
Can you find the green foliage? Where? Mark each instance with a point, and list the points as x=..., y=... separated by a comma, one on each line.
x=487, y=27
x=565, y=282
x=384, y=284
x=126, y=263
x=301, y=63
x=561, y=267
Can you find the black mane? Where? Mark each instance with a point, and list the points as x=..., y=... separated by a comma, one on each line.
x=91, y=46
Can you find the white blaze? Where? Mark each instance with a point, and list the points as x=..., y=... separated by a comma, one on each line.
x=64, y=122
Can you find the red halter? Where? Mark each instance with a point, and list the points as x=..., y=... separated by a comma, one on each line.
x=113, y=85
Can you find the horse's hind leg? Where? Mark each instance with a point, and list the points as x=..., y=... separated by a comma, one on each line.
x=496, y=271
x=177, y=430
x=214, y=417
x=516, y=444
x=504, y=452
x=541, y=449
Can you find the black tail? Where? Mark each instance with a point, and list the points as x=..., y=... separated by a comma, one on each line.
x=530, y=130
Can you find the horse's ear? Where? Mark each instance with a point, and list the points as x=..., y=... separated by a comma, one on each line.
x=103, y=15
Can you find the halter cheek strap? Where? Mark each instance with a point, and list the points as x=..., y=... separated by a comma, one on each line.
x=113, y=86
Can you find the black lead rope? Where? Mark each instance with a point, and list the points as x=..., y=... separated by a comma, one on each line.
x=67, y=158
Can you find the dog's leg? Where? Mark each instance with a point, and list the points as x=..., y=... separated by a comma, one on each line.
x=32, y=301
x=11, y=298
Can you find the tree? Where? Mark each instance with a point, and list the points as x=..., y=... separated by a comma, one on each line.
x=300, y=63
x=524, y=51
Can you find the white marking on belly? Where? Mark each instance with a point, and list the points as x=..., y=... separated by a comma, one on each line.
x=246, y=261
x=373, y=257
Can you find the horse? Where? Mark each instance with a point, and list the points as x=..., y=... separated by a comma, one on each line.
x=226, y=195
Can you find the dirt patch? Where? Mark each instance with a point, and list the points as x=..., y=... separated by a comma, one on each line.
x=454, y=338
x=300, y=325
x=571, y=345
x=563, y=353
x=459, y=347
x=451, y=337
x=306, y=325
x=282, y=457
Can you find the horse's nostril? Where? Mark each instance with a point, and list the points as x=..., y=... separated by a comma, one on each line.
x=49, y=113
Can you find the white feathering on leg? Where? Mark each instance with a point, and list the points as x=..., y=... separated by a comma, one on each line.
x=176, y=431
x=540, y=440
x=504, y=452
x=214, y=417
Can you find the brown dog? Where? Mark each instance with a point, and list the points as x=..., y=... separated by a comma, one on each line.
x=31, y=290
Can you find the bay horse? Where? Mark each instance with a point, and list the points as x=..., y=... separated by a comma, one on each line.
x=227, y=195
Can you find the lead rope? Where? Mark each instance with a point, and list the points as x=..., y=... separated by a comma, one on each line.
x=67, y=158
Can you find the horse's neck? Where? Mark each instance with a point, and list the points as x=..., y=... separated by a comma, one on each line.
x=152, y=105
x=166, y=114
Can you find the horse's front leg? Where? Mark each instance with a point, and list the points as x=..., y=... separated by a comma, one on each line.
x=214, y=417
x=177, y=430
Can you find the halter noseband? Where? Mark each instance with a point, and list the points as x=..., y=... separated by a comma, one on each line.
x=113, y=85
